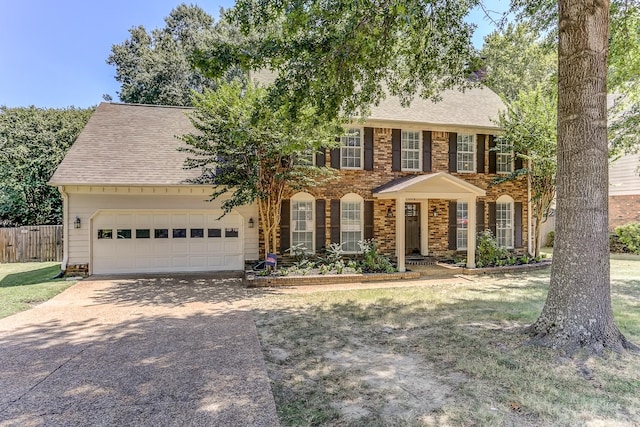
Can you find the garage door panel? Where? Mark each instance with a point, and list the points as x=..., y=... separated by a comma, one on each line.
x=234, y=260
x=207, y=244
x=232, y=246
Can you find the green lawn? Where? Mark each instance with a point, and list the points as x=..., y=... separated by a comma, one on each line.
x=443, y=354
x=24, y=285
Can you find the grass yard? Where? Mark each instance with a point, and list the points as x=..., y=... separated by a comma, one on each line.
x=24, y=285
x=443, y=355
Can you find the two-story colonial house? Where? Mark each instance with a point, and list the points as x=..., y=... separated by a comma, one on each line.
x=419, y=180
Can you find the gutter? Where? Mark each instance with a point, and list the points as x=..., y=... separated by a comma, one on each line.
x=65, y=229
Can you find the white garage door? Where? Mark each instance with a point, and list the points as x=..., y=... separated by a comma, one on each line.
x=157, y=242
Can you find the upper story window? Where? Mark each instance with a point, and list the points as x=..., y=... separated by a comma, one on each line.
x=302, y=221
x=504, y=221
x=351, y=222
x=351, y=149
x=504, y=157
x=466, y=157
x=462, y=224
x=410, y=150
x=306, y=158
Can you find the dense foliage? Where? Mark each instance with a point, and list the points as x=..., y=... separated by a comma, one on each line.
x=33, y=142
x=517, y=60
x=250, y=150
x=342, y=57
x=154, y=67
x=629, y=236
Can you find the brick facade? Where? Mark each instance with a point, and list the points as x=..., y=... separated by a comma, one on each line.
x=623, y=210
x=362, y=182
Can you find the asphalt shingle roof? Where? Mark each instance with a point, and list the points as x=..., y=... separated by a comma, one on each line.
x=134, y=144
x=128, y=144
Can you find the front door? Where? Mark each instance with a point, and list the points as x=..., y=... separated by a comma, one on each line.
x=412, y=228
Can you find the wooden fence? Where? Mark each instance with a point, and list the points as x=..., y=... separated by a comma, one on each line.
x=31, y=243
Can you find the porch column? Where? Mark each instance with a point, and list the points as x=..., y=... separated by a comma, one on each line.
x=400, y=234
x=471, y=233
x=424, y=227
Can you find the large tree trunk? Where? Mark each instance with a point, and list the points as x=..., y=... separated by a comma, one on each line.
x=578, y=313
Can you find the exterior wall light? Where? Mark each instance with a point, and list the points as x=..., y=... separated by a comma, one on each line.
x=77, y=223
x=435, y=212
x=251, y=223
x=389, y=213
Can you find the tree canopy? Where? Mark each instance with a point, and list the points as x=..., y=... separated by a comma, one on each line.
x=517, y=59
x=530, y=128
x=33, y=142
x=155, y=68
x=251, y=151
x=341, y=57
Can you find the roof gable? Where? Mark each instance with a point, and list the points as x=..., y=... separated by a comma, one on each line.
x=128, y=144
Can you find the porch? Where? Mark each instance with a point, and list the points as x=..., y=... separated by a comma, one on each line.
x=412, y=196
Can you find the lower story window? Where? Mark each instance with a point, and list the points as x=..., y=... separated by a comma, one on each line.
x=504, y=224
x=350, y=225
x=302, y=224
x=462, y=224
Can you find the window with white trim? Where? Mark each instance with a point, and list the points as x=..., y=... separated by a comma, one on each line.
x=302, y=221
x=306, y=158
x=466, y=157
x=351, y=149
x=462, y=225
x=504, y=221
x=504, y=157
x=410, y=150
x=351, y=222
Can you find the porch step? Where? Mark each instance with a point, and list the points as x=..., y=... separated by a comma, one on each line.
x=420, y=260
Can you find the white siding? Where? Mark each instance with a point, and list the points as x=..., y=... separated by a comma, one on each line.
x=624, y=179
x=87, y=202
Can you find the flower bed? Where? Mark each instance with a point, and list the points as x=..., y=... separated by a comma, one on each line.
x=253, y=280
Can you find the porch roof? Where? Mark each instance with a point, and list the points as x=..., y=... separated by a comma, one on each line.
x=438, y=185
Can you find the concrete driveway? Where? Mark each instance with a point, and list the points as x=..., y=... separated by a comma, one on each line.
x=147, y=351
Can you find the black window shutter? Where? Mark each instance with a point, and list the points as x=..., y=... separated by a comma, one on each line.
x=335, y=221
x=517, y=224
x=335, y=155
x=320, y=228
x=368, y=149
x=519, y=164
x=492, y=155
x=492, y=217
x=426, y=150
x=453, y=152
x=480, y=152
x=285, y=226
x=368, y=219
x=479, y=216
x=396, y=149
x=453, y=225
x=321, y=157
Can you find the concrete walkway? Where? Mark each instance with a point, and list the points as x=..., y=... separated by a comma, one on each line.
x=143, y=352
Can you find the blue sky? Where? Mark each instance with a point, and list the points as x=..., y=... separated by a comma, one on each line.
x=53, y=53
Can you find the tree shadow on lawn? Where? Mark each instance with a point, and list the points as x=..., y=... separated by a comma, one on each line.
x=324, y=357
x=31, y=277
x=193, y=370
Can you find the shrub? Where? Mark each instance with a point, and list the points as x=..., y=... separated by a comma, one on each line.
x=551, y=237
x=489, y=252
x=372, y=260
x=629, y=236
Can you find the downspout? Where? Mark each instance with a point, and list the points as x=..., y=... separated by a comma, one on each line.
x=65, y=230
